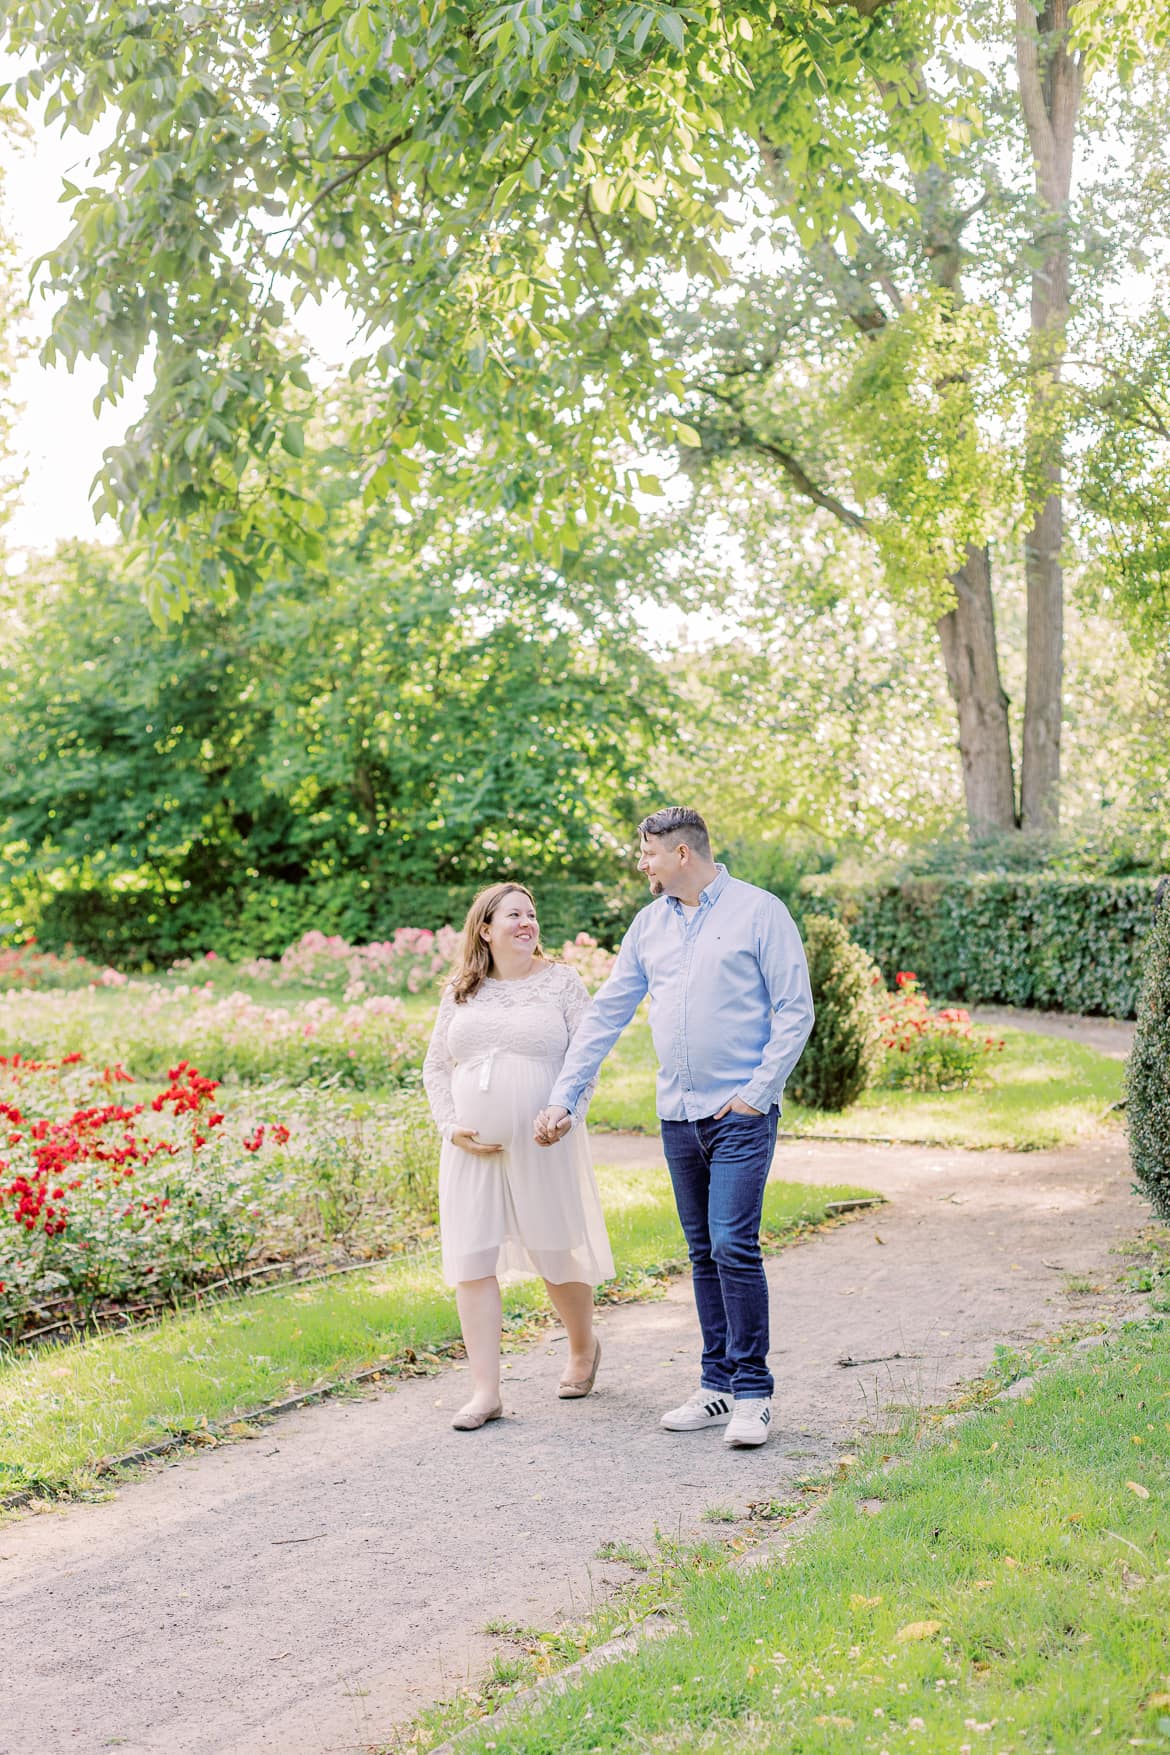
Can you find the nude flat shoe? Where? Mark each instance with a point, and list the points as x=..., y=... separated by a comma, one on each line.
x=571, y=1392
x=472, y=1422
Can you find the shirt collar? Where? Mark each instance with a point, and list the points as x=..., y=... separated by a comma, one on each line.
x=711, y=894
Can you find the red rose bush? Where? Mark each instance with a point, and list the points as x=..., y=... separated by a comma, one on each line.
x=925, y=1050
x=103, y=1198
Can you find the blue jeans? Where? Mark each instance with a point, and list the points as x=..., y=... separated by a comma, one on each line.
x=719, y=1169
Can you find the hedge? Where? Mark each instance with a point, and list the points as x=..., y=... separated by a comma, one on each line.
x=1147, y=1072
x=1055, y=943
x=130, y=928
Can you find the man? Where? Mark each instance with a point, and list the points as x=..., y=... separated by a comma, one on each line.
x=730, y=1012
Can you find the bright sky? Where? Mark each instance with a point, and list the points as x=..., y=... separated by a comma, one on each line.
x=58, y=438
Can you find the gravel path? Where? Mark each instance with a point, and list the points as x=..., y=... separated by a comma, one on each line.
x=301, y=1593
x=1111, y=1036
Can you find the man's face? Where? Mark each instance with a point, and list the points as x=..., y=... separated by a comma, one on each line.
x=661, y=864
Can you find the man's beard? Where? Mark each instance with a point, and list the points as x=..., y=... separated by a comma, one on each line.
x=657, y=887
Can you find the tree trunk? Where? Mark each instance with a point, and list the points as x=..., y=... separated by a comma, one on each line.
x=1050, y=87
x=967, y=633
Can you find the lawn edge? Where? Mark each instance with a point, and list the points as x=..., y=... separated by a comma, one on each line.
x=662, y=1623
x=218, y=1432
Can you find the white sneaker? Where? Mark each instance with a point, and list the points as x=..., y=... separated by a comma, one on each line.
x=706, y=1407
x=751, y=1421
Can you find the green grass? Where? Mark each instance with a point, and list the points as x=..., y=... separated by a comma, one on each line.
x=1007, y=1590
x=66, y=1410
x=1040, y=1092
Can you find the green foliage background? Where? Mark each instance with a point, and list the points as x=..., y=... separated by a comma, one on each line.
x=1026, y=939
x=842, y=1053
x=1147, y=1072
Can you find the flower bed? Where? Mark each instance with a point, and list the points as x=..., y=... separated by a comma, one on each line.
x=412, y=961
x=111, y=1194
x=23, y=969
x=925, y=1050
x=149, y=1027
x=101, y=1198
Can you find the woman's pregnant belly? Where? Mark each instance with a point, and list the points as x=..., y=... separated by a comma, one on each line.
x=517, y=1086
x=491, y=1113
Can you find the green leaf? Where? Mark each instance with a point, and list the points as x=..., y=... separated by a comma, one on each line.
x=293, y=438
x=601, y=192
x=671, y=26
x=687, y=435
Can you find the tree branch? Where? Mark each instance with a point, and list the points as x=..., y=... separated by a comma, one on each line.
x=792, y=468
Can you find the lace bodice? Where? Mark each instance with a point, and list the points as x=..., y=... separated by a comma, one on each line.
x=536, y=1017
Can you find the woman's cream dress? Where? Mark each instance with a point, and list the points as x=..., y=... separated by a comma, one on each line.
x=491, y=1064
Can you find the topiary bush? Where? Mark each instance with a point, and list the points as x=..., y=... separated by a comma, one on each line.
x=1147, y=1071
x=844, y=1051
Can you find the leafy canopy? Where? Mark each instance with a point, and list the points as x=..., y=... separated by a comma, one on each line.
x=492, y=190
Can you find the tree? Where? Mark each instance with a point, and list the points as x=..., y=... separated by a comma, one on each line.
x=817, y=727
x=494, y=190
x=12, y=345
x=880, y=379
x=506, y=195
x=420, y=710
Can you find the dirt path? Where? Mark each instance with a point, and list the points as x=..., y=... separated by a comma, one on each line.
x=1111, y=1036
x=303, y=1592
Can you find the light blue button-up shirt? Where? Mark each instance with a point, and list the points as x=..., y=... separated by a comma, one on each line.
x=730, y=1003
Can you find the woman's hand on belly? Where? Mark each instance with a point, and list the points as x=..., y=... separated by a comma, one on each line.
x=468, y=1140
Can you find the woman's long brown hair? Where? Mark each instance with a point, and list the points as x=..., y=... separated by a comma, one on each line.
x=475, y=957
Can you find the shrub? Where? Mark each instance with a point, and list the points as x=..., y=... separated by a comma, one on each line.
x=1060, y=943
x=842, y=1053
x=925, y=1050
x=1147, y=1073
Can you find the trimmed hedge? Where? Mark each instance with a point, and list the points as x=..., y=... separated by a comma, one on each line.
x=130, y=928
x=1147, y=1073
x=1056, y=943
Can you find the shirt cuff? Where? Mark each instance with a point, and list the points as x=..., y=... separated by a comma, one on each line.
x=759, y=1098
x=559, y=1098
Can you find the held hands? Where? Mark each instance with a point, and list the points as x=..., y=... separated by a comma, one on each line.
x=468, y=1140
x=740, y=1108
x=551, y=1125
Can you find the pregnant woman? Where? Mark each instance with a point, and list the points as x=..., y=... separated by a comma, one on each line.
x=506, y=1204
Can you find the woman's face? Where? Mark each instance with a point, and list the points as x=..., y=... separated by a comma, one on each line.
x=513, y=930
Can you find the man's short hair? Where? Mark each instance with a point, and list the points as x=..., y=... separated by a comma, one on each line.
x=675, y=823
